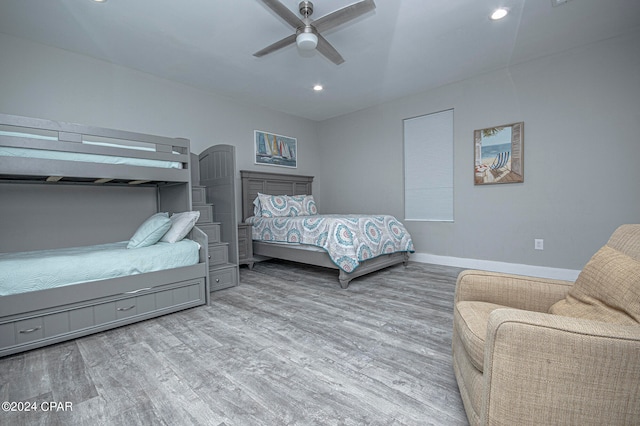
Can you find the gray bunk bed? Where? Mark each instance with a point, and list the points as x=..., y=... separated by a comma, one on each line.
x=64, y=185
x=254, y=182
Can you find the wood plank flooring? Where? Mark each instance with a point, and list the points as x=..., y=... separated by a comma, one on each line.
x=286, y=347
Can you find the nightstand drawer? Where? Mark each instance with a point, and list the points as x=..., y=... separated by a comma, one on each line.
x=244, y=231
x=245, y=244
x=243, y=252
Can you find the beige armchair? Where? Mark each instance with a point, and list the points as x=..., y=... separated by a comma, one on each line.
x=549, y=352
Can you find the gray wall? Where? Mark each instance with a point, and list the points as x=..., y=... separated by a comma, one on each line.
x=581, y=111
x=44, y=82
x=45, y=216
x=580, y=108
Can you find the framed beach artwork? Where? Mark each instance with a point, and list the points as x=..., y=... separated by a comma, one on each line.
x=275, y=150
x=499, y=154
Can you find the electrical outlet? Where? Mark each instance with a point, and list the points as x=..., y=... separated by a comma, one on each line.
x=538, y=244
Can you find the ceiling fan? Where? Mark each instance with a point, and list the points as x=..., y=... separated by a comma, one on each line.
x=307, y=35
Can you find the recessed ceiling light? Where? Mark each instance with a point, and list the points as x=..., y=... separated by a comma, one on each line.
x=499, y=13
x=318, y=87
x=100, y=1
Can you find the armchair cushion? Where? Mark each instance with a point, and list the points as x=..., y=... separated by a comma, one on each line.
x=471, y=319
x=607, y=290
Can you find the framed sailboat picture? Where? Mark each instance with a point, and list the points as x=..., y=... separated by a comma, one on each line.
x=275, y=150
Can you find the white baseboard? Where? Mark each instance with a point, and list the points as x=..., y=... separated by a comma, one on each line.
x=488, y=265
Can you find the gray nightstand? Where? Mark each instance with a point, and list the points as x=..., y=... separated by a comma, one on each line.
x=245, y=245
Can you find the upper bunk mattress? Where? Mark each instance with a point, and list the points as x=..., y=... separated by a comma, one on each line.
x=37, y=270
x=80, y=156
x=348, y=239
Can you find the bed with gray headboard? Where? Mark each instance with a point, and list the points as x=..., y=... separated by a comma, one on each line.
x=70, y=192
x=275, y=184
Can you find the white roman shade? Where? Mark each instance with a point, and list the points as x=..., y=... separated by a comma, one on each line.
x=428, y=167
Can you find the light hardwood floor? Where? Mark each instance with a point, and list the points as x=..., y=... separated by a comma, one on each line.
x=286, y=347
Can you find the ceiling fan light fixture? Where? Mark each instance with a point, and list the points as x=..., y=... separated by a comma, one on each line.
x=308, y=36
x=307, y=41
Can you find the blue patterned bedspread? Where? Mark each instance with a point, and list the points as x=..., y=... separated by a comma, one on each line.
x=349, y=239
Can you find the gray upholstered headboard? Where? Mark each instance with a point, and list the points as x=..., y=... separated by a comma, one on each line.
x=271, y=184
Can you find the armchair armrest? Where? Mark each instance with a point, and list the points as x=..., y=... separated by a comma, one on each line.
x=514, y=291
x=551, y=369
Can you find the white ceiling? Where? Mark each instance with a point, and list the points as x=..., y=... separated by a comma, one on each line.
x=403, y=47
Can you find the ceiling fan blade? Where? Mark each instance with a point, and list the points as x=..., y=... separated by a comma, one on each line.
x=343, y=15
x=284, y=12
x=329, y=51
x=277, y=45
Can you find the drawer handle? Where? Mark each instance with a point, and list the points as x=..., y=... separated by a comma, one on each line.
x=209, y=256
x=217, y=280
x=30, y=330
x=138, y=290
x=127, y=308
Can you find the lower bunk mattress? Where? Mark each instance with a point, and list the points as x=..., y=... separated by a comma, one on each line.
x=37, y=270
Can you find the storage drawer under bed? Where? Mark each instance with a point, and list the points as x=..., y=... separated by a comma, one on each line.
x=38, y=328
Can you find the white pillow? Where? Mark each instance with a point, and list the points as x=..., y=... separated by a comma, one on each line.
x=150, y=231
x=257, y=208
x=181, y=224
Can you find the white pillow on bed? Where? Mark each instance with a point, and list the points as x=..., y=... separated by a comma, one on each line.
x=150, y=231
x=181, y=224
x=257, y=208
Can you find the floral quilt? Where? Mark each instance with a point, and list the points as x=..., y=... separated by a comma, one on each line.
x=349, y=239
